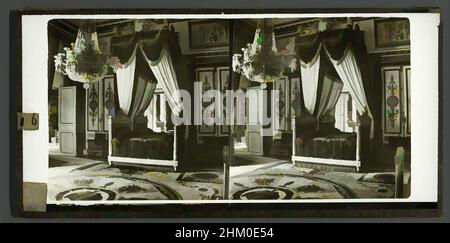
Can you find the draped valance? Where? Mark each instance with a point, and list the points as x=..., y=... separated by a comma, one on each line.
x=336, y=42
x=338, y=54
x=152, y=43
x=148, y=59
x=345, y=52
x=322, y=86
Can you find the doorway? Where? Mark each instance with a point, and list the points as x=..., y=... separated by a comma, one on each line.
x=67, y=120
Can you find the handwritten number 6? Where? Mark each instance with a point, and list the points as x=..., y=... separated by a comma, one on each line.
x=33, y=120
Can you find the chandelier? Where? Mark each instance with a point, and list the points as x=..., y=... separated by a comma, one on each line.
x=260, y=61
x=84, y=61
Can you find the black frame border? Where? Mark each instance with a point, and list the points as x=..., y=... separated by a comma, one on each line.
x=222, y=210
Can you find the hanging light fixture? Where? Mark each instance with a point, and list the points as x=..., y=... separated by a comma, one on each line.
x=84, y=61
x=260, y=61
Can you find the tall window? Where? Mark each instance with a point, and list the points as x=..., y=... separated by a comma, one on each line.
x=156, y=113
x=344, y=112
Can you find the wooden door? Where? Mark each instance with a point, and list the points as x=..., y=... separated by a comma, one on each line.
x=67, y=120
x=392, y=122
x=254, y=121
x=396, y=105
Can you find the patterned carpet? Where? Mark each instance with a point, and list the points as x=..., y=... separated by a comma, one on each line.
x=286, y=181
x=99, y=182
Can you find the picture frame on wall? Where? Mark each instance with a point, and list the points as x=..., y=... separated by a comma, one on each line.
x=207, y=34
x=223, y=78
x=309, y=28
x=392, y=97
x=286, y=45
x=105, y=45
x=392, y=32
x=295, y=93
x=94, y=105
x=206, y=77
x=108, y=100
x=281, y=84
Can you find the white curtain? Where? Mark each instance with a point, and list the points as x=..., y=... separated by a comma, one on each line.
x=331, y=90
x=340, y=112
x=58, y=77
x=151, y=114
x=165, y=75
x=350, y=75
x=58, y=80
x=310, y=81
x=125, y=82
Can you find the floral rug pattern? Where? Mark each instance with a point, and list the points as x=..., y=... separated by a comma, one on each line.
x=287, y=181
x=101, y=182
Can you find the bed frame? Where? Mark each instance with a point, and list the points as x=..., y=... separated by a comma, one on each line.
x=338, y=162
x=111, y=159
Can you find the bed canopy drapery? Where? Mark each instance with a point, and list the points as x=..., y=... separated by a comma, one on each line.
x=322, y=84
x=338, y=54
x=329, y=61
x=148, y=60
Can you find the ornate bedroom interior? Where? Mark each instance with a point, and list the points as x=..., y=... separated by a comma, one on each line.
x=343, y=124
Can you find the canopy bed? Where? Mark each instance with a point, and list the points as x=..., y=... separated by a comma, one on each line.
x=148, y=59
x=329, y=61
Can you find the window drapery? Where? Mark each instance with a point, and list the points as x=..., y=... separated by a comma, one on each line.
x=148, y=57
x=164, y=72
x=331, y=89
x=58, y=78
x=350, y=74
x=148, y=97
x=143, y=94
x=344, y=51
x=125, y=82
x=321, y=85
x=310, y=82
